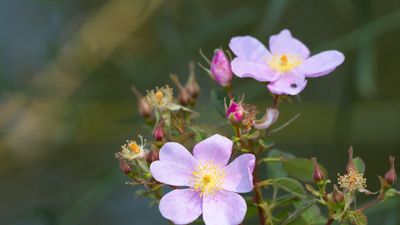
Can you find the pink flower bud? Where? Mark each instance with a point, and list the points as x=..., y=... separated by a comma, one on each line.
x=235, y=112
x=318, y=175
x=221, y=68
x=158, y=133
x=192, y=86
x=152, y=156
x=391, y=176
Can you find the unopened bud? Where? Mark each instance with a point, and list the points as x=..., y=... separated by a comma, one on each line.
x=158, y=132
x=270, y=117
x=184, y=95
x=235, y=112
x=337, y=195
x=123, y=165
x=192, y=86
x=350, y=164
x=221, y=68
x=152, y=156
x=390, y=175
x=318, y=175
x=144, y=108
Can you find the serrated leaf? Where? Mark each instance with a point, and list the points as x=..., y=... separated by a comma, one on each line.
x=301, y=169
x=359, y=164
x=290, y=185
x=275, y=169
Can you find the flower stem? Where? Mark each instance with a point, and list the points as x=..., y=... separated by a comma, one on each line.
x=258, y=199
x=330, y=221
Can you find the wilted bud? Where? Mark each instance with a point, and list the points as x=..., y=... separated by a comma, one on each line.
x=235, y=112
x=145, y=109
x=192, y=86
x=221, y=68
x=318, y=175
x=158, y=132
x=350, y=164
x=270, y=117
x=337, y=195
x=184, y=96
x=123, y=165
x=390, y=175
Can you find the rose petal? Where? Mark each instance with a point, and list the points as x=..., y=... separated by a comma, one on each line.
x=284, y=43
x=239, y=174
x=181, y=206
x=322, y=63
x=249, y=49
x=175, y=166
x=216, y=148
x=258, y=71
x=224, y=208
x=289, y=84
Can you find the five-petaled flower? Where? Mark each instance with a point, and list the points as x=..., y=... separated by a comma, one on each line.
x=285, y=65
x=212, y=183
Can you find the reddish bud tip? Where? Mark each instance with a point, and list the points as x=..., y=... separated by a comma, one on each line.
x=337, y=195
x=350, y=164
x=192, y=86
x=152, y=156
x=318, y=175
x=158, y=133
x=391, y=175
x=221, y=68
x=123, y=165
x=235, y=112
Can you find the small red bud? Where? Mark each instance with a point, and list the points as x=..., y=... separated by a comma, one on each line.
x=390, y=175
x=318, y=175
x=152, y=156
x=158, y=133
x=192, y=86
x=337, y=195
x=144, y=108
x=350, y=164
x=123, y=165
x=184, y=95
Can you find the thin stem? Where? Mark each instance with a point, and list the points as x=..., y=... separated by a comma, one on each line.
x=330, y=221
x=371, y=203
x=258, y=199
x=277, y=100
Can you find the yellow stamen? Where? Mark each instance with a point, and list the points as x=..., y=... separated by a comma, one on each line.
x=353, y=181
x=284, y=62
x=159, y=96
x=208, y=178
x=134, y=147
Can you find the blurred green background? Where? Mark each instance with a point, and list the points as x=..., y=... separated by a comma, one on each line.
x=66, y=68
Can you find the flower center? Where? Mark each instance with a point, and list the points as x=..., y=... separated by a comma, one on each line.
x=284, y=62
x=208, y=178
x=353, y=181
x=134, y=147
x=159, y=96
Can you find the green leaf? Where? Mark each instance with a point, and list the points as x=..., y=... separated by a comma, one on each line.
x=359, y=164
x=301, y=169
x=312, y=215
x=217, y=99
x=298, y=212
x=275, y=169
x=290, y=185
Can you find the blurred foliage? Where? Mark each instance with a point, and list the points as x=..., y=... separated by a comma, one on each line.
x=66, y=68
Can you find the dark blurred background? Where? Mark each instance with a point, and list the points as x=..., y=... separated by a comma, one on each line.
x=66, y=68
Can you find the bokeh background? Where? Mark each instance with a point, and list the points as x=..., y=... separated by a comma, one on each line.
x=66, y=68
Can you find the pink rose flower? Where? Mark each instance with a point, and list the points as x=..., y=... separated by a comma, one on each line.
x=212, y=184
x=286, y=64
